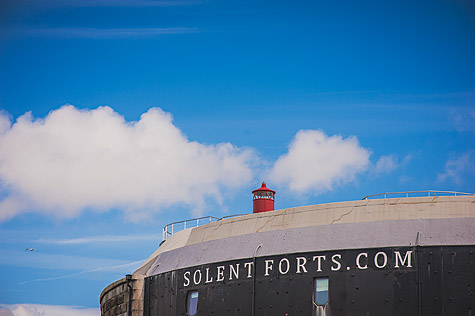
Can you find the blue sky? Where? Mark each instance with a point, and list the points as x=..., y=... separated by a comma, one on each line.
x=119, y=117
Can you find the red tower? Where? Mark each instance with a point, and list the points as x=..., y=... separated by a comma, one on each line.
x=263, y=199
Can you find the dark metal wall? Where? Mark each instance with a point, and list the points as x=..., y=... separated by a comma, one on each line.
x=428, y=281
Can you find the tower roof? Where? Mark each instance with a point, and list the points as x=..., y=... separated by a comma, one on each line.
x=264, y=188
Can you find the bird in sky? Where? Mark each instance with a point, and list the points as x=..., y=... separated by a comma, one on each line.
x=31, y=249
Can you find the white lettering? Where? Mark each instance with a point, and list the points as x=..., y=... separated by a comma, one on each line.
x=248, y=265
x=301, y=262
x=208, y=280
x=220, y=276
x=319, y=262
x=287, y=265
x=187, y=280
x=338, y=264
x=403, y=261
x=195, y=275
x=376, y=261
x=363, y=254
x=233, y=271
x=269, y=264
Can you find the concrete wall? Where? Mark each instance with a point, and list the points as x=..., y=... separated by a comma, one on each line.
x=115, y=297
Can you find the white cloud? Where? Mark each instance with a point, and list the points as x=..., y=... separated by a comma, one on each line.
x=58, y=262
x=458, y=167
x=463, y=119
x=114, y=3
x=76, y=159
x=47, y=310
x=109, y=269
x=5, y=122
x=99, y=239
x=386, y=164
x=5, y=312
x=316, y=162
x=66, y=266
x=101, y=33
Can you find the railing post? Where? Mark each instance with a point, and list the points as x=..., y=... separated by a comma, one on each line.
x=164, y=233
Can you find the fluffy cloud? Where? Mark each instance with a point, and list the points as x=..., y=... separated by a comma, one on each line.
x=5, y=312
x=316, y=162
x=386, y=164
x=4, y=122
x=463, y=119
x=98, y=239
x=64, y=264
x=47, y=310
x=459, y=167
x=76, y=159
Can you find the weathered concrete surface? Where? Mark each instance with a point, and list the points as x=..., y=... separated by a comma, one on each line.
x=115, y=297
x=338, y=213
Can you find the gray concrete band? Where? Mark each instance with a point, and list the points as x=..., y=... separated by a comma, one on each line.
x=423, y=232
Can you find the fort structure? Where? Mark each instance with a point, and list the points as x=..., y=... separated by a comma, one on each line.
x=383, y=255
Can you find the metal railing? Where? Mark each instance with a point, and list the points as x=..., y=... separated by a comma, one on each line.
x=175, y=227
x=417, y=194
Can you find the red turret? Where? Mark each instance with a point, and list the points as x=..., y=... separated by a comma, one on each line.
x=263, y=199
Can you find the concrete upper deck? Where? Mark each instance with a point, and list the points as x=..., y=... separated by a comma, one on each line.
x=434, y=220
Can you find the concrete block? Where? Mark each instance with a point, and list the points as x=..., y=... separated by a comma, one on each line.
x=137, y=305
x=123, y=308
x=136, y=294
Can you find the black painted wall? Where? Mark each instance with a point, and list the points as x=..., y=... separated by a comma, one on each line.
x=438, y=281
